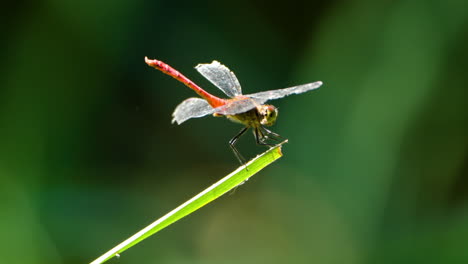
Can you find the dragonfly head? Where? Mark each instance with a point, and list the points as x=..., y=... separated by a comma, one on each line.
x=268, y=114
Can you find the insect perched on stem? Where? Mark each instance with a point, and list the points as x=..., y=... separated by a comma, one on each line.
x=248, y=110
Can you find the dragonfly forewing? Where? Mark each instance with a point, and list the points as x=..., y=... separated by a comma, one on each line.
x=237, y=106
x=191, y=108
x=262, y=97
x=221, y=77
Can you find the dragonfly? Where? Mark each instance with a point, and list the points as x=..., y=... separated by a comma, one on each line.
x=249, y=110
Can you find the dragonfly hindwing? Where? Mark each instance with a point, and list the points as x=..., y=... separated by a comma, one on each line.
x=191, y=108
x=221, y=77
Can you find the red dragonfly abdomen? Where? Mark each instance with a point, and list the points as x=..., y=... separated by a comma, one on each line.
x=214, y=101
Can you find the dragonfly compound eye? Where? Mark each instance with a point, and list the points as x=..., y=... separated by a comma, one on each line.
x=268, y=114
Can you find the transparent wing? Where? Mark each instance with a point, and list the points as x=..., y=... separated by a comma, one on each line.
x=237, y=106
x=262, y=97
x=191, y=108
x=221, y=77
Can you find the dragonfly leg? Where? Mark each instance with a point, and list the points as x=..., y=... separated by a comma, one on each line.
x=232, y=143
x=263, y=134
x=272, y=135
x=260, y=138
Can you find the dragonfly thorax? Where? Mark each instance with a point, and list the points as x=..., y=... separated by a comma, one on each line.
x=262, y=115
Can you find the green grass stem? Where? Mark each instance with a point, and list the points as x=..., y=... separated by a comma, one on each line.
x=213, y=192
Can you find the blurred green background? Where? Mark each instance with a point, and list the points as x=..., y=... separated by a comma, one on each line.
x=375, y=171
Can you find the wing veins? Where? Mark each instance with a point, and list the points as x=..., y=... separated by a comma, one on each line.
x=220, y=76
x=262, y=97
